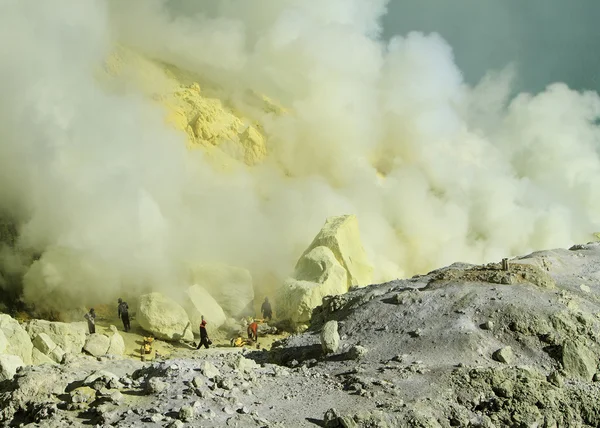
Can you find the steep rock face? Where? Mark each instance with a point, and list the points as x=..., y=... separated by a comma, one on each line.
x=341, y=235
x=163, y=317
x=17, y=340
x=202, y=303
x=318, y=274
x=69, y=336
x=230, y=286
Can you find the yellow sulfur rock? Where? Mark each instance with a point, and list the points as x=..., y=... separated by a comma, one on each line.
x=341, y=235
x=318, y=274
x=207, y=122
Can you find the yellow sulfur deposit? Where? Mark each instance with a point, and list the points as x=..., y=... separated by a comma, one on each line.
x=224, y=133
x=341, y=235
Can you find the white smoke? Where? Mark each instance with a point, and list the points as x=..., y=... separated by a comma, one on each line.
x=435, y=170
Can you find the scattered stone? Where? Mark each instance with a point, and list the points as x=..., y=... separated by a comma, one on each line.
x=197, y=382
x=357, y=352
x=556, y=379
x=330, y=338
x=504, y=355
x=155, y=385
x=176, y=424
x=116, y=397
x=83, y=394
x=186, y=413
x=488, y=325
x=209, y=370
x=585, y=288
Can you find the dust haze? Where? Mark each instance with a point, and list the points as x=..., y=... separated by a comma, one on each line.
x=436, y=170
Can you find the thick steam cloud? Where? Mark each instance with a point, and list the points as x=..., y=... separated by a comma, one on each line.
x=436, y=171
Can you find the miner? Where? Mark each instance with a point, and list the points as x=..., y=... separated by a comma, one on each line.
x=204, y=340
x=253, y=331
x=91, y=320
x=266, y=309
x=123, y=310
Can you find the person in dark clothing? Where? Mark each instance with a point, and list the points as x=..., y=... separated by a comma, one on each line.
x=204, y=340
x=124, y=314
x=91, y=320
x=266, y=309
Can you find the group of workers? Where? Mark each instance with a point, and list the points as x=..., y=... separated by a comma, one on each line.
x=123, y=313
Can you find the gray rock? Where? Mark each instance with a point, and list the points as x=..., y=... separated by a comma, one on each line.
x=186, y=413
x=488, y=325
x=96, y=344
x=116, y=344
x=176, y=424
x=9, y=364
x=556, y=379
x=357, y=352
x=17, y=340
x=197, y=382
x=83, y=394
x=504, y=355
x=578, y=360
x=116, y=397
x=209, y=370
x=330, y=338
x=156, y=385
x=101, y=379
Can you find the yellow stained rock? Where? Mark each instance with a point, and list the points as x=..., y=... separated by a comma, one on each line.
x=207, y=122
x=341, y=235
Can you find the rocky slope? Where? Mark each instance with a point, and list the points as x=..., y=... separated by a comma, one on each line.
x=468, y=346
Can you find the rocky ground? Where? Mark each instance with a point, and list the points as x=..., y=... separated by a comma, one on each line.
x=466, y=346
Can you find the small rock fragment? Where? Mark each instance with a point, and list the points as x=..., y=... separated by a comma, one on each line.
x=504, y=355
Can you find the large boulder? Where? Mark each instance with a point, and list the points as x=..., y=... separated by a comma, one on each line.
x=18, y=341
x=202, y=303
x=296, y=299
x=43, y=343
x=96, y=344
x=230, y=286
x=9, y=365
x=341, y=235
x=163, y=317
x=69, y=336
x=116, y=344
x=318, y=274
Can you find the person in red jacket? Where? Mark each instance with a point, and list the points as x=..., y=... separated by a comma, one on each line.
x=253, y=331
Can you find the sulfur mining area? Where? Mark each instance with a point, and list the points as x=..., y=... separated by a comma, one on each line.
x=264, y=214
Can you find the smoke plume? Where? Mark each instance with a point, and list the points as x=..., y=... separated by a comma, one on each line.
x=436, y=170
